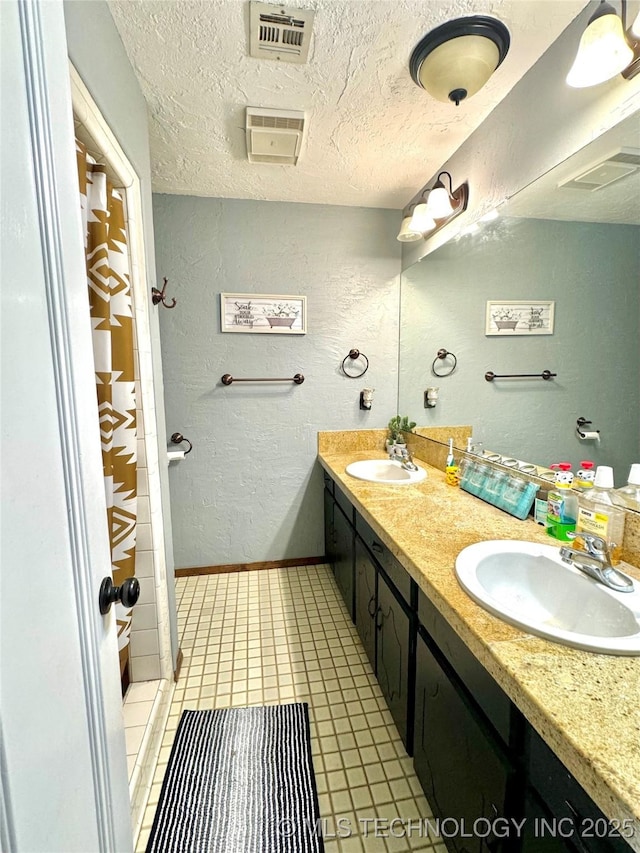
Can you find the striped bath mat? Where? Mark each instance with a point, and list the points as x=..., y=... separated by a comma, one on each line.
x=239, y=780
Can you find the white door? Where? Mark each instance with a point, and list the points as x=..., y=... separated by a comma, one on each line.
x=63, y=773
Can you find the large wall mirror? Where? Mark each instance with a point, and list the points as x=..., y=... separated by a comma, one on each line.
x=571, y=238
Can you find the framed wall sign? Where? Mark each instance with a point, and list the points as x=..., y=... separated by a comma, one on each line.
x=524, y=317
x=262, y=313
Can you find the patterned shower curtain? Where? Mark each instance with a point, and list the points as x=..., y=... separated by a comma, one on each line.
x=109, y=281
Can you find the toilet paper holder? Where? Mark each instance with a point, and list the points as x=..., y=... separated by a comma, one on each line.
x=586, y=434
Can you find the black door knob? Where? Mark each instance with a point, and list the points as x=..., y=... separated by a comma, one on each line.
x=128, y=593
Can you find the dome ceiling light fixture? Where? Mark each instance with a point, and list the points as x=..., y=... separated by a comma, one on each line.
x=455, y=60
x=605, y=50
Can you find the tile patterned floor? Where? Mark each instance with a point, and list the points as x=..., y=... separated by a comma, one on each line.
x=283, y=635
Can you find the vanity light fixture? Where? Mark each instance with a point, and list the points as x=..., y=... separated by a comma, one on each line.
x=422, y=220
x=407, y=233
x=425, y=221
x=455, y=60
x=439, y=204
x=605, y=50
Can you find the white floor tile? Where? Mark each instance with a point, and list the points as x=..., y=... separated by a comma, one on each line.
x=284, y=635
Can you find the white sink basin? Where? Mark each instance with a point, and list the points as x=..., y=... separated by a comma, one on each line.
x=385, y=471
x=528, y=585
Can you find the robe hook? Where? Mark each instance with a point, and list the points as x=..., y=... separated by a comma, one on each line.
x=158, y=296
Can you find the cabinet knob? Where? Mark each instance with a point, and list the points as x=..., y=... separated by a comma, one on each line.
x=128, y=593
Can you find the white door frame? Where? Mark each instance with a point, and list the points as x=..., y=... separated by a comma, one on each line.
x=63, y=758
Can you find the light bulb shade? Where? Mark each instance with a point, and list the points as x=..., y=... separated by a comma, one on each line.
x=422, y=220
x=439, y=205
x=603, y=51
x=407, y=234
x=455, y=60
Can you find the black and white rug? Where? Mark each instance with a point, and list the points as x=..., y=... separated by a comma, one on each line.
x=239, y=780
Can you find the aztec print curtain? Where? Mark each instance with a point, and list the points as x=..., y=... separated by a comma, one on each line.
x=109, y=281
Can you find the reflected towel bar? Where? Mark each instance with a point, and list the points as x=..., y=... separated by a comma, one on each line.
x=546, y=374
x=227, y=379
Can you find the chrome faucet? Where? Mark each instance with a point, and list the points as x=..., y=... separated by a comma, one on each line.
x=404, y=456
x=596, y=561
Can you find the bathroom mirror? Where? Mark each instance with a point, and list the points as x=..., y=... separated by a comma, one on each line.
x=559, y=240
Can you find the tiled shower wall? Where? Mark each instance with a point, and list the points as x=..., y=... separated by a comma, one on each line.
x=145, y=647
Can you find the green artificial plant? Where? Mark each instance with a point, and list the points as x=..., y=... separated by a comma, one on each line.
x=398, y=425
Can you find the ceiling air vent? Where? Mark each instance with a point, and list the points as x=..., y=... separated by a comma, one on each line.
x=624, y=162
x=274, y=136
x=280, y=33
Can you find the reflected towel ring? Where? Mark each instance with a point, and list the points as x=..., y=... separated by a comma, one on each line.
x=442, y=354
x=178, y=438
x=354, y=354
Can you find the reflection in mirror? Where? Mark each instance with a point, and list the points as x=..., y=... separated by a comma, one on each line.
x=565, y=240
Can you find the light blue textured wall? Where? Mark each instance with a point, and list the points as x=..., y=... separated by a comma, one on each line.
x=592, y=271
x=251, y=489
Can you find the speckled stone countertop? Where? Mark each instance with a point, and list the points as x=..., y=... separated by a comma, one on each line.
x=585, y=706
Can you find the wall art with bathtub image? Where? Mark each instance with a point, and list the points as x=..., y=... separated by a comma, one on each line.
x=263, y=313
x=524, y=317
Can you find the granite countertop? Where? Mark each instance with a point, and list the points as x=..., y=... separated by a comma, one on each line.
x=585, y=706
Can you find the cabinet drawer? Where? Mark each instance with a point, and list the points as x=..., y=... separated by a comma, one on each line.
x=328, y=482
x=495, y=704
x=396, y=572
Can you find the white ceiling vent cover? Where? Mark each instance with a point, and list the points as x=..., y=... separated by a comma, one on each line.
x=616, y=166
x=274, y=136
x=280, y=33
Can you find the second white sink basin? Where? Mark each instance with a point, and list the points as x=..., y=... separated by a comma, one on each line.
x=528, y=585
x=388, y=471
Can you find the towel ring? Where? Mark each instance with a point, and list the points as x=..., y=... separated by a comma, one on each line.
x=354, y=354
x=442, y=354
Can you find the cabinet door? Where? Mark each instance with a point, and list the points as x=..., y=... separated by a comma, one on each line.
x=329, y=528
x=462, y=772
x=392, y=655
x=366, y=601
x=343, y=557
x=575, y=816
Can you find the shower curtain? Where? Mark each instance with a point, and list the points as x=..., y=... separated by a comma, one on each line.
x=111, y=309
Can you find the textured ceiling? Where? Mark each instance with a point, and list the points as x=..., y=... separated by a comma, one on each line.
x=374, y=137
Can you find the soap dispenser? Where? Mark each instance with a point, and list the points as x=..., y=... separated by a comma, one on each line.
x=585, y=475
x=562, y=503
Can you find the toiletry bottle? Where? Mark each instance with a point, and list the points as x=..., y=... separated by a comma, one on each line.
x=562, y=503
x=601, y=512
x=630, y=493
x=585, y=476
x=451, y=469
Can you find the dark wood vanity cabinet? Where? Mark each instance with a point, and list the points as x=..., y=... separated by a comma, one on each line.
x=384, y=623
x=338, y=538
x=476, y=755
x=366, y=600
x=464, y=772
